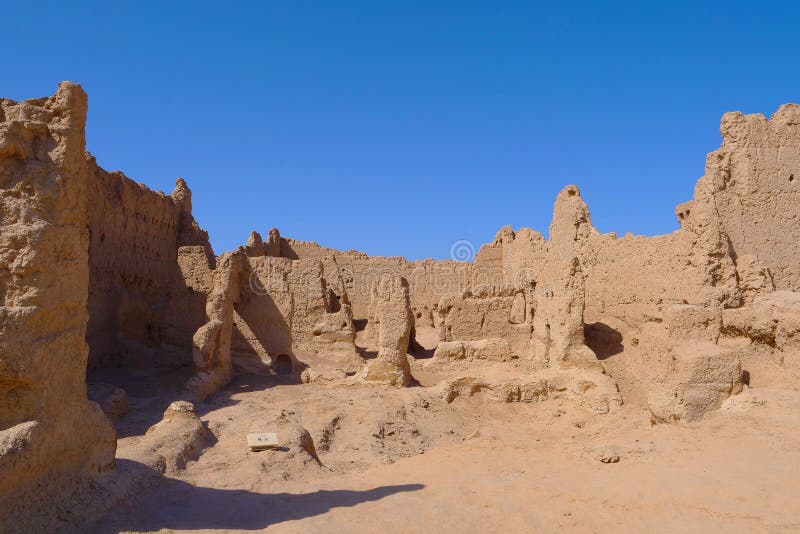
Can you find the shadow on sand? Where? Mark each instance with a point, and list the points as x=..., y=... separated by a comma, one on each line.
x=176, y=505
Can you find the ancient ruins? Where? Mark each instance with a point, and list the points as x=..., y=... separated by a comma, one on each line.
x=111, y=291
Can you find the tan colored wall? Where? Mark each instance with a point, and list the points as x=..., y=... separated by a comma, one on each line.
x=140, y=310
x=287, y=306
x=753, y=181
x=260, y=308
x=429, y=280
x=628, y=280
x=44, y=278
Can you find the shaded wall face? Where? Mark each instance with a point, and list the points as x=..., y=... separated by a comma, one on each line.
x=282, y=301
x=287, y=307
x=261, y=320
x=141, y=310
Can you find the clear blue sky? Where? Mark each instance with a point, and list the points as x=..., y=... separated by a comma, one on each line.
x=399, y=127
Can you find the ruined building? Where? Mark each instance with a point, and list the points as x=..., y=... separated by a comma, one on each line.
x=99, y=272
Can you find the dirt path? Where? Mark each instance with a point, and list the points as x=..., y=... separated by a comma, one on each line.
x=528, y=468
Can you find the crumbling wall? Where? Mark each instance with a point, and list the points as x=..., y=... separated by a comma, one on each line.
x=185, y=311
x=753, y=183
x=319, y=324
x=558, y=316
x=141, y=311
x=262, y=311
x=654, y=291
x=488, y=312
x=771, y=322
x=686, y=374
x=212, y=341
x=392, y=321
x=628, y=280
x=262, y=316
x=428, y=280
x=670, y=298
x=51, y=437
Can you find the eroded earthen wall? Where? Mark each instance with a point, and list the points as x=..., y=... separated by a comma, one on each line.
x=267, y=314
x=289, y=306
x=141, y=310
x=44, y=280
x=428, y=280
x=753, y=182
x=629, y=280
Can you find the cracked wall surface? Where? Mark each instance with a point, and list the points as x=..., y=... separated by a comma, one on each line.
x=44, y=280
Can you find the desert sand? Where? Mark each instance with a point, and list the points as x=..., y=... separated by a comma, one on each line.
x=397, y=461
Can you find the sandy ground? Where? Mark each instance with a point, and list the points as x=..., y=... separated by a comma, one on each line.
x=405, y=461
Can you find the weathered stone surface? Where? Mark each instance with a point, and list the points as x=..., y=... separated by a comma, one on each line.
x=558, y=322
x=172, y=442
x=489, y=350
x=288, y=308
x=755, y=279
x=688, y=321
x=449, y=350
x=759, y=161
x=772, y=319
x=592, y=390
x=44, y=281
x=142, y=312
x=255, y=246
x=111, y=399
x=391, y=320
x=212, y=341
x=627, y=280
x=428, y=280
x=687, y=379
x=273, y=244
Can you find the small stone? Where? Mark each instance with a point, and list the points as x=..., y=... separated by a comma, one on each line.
x=608, y=455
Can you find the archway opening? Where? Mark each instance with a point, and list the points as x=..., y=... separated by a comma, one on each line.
x=283, y=365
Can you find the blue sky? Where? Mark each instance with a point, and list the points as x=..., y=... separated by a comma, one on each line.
x=398, y=128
